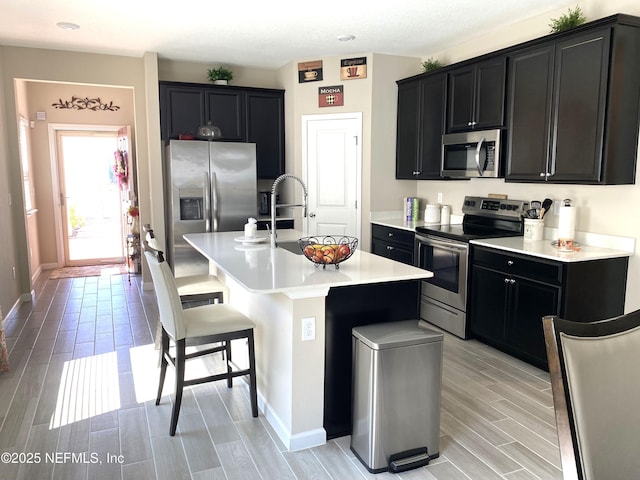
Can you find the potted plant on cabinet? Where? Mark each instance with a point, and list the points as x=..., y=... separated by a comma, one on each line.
x=220, y=76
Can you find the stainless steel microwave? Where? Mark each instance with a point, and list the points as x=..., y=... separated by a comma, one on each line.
x=471, y=154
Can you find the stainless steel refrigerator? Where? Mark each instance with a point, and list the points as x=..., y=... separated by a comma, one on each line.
x=209, y=187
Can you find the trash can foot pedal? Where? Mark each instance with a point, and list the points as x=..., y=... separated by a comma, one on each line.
x=414, y=458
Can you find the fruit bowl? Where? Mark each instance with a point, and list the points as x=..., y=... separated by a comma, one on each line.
x=328, y=249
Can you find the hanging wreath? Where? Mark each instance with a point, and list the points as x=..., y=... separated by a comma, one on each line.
x=120, y=167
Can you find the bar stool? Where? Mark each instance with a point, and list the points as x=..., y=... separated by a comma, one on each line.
x=202, y=325
x=193, y=288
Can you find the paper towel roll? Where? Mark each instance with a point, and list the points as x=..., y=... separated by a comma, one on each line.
x=566, y=223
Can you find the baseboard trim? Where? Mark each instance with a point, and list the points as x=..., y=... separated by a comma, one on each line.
x=299, y=441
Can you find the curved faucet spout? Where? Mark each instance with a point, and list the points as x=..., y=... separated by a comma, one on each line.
x=274, y=205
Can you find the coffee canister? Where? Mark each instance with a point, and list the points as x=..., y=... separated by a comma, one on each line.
x=445, y=215
x=432, y=213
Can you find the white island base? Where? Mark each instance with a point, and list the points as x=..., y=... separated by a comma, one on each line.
x=280, y=290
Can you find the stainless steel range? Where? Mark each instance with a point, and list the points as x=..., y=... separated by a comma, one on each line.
x=444, y=250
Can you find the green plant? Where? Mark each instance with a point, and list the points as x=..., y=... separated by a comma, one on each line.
x=430, y=65
x=570, y=20
x=219, y=74
x=76, y=220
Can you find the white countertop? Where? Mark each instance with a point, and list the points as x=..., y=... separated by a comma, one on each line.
x=593, y=246
x=395, y=220
x=544, y=249
x=261, y=269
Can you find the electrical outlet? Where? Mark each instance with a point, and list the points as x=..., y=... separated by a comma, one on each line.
x=439, y=197
x=308, y=328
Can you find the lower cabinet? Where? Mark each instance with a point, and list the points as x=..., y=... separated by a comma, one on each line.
x=510, y=293
x=393, y=243
x=281, y=224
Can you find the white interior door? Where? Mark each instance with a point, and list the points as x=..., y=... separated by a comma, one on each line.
x=332, y=144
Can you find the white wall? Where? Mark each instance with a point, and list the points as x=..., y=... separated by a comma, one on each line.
x=601, y=209
x=374, y=96
x=9, y=214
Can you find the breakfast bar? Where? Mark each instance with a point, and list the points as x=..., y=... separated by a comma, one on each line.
x=304, y=315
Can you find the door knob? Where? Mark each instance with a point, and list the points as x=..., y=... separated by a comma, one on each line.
x=312, y=215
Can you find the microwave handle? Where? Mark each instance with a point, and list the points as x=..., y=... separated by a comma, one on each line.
x=478, y=148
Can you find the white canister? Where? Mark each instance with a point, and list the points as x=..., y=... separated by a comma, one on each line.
x=533, y=229
x=250, y=228
x=445, y=215
x=432, y=213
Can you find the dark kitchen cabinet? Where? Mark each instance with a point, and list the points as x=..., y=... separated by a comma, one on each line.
x=510, y=293
x=509, y=310
x=226, y=110
x=477, y=95
x=265, y=128
x=243, y=114
x=182, y=110
x=421, y=115
x=573, y=108
x=393, y=243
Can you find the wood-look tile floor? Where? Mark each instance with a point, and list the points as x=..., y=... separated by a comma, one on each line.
x=78, y=404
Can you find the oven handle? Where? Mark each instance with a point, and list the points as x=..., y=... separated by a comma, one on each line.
x=448, y=244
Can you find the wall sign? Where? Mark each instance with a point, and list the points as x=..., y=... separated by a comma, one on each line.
x=310, y=71
x=331, y=96
x=353, y=68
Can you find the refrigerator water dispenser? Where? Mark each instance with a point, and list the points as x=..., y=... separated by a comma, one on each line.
x=191, y=208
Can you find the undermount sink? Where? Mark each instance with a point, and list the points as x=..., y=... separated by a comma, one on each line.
x=291, y=246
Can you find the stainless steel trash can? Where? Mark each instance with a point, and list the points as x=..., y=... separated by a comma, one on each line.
x=397, y=380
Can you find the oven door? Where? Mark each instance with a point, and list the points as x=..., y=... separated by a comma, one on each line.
x=448, y=260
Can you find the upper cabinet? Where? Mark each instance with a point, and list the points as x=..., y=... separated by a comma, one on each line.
x=226, y=110
x=573, y=108
x=476, y=96
x=253, y=115
x=569, y=102
x=421, y=114
x=182, y=110
x=265, y=128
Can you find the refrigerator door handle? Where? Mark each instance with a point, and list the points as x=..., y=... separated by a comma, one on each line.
x=207, y=203
x=214, y=202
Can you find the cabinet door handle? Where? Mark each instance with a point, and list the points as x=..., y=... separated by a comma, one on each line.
x=506, y=280
x=390, y=234
x=389, y=247
x=509, y=262
x=469, y=124
x=512, y=281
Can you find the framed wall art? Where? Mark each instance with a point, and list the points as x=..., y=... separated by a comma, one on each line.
x=310, y=71
x=353, y=68
x=331, y=96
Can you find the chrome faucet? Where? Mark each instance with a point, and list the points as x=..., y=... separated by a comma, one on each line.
x=274, y=188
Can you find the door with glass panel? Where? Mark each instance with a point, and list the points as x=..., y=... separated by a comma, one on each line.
x=91, y=198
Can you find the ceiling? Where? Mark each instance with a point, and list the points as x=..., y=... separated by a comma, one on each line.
x=266, y=34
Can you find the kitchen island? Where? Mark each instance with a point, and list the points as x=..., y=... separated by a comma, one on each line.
x=304, y=374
